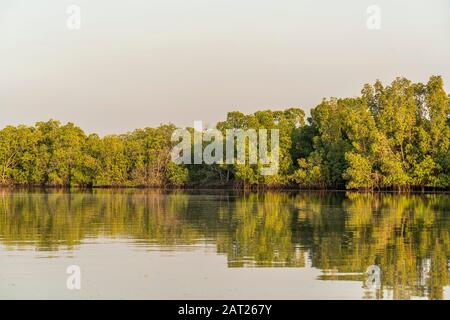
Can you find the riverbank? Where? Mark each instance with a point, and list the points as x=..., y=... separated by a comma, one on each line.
x=226, y=188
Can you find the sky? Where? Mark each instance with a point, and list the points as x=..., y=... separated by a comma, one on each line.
x=139, y=63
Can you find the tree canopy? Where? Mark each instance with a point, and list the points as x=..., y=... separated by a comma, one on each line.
x=391, y=137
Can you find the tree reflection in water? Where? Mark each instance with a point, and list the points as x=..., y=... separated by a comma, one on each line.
x=405, y=236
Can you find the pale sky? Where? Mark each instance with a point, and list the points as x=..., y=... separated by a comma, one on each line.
x=139, y=63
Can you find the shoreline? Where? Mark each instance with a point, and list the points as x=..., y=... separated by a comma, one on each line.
x=223, y=188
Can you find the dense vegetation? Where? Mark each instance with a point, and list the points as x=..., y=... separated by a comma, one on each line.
x=391, y=137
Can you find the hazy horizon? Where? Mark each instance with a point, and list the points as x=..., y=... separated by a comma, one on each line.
x=137, y=64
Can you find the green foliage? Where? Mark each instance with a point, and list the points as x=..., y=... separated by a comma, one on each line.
x=395, y=136
x=392, y=137
x=359, y=171
x=54, y=155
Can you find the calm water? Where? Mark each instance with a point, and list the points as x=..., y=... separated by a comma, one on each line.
x=144, y=244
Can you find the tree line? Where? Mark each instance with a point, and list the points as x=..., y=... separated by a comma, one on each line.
x=390, y=137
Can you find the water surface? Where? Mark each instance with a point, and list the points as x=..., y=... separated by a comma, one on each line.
x=151, y=244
